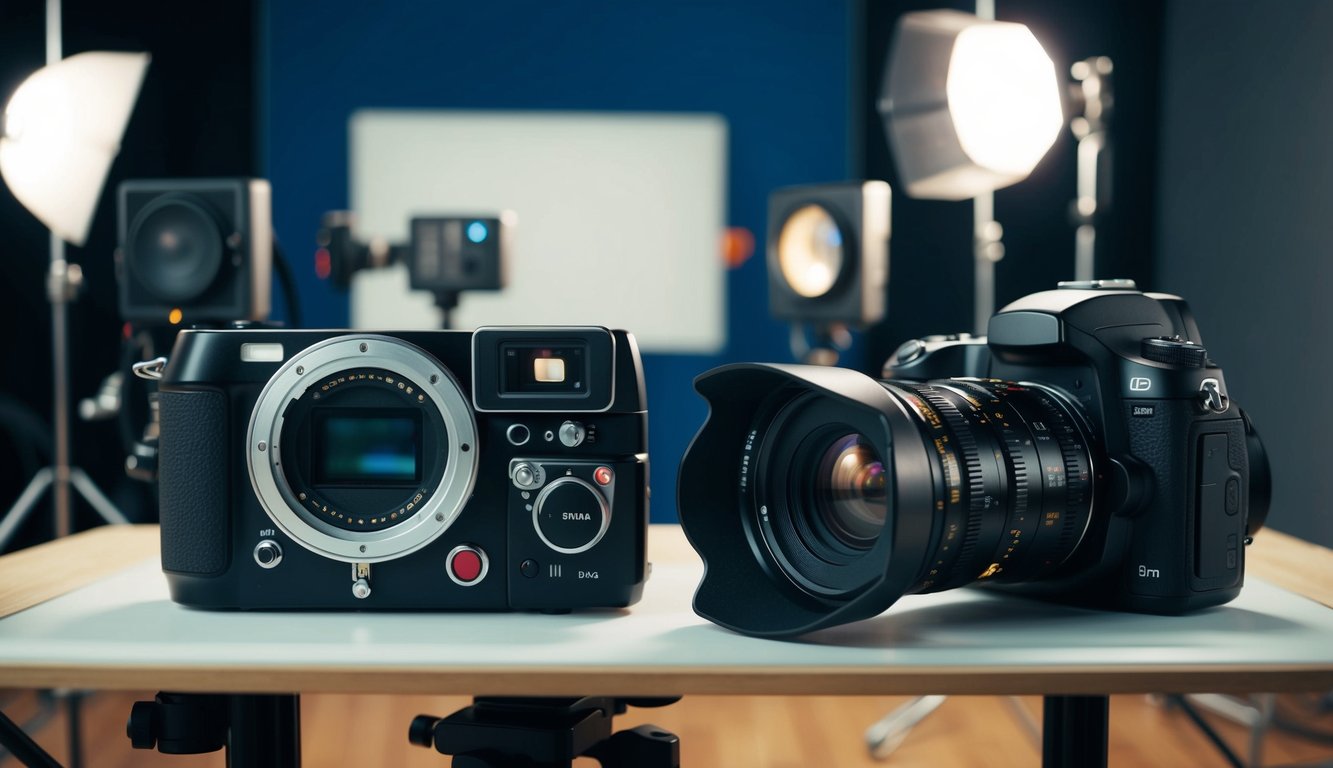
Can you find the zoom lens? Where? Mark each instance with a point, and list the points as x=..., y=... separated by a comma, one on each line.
x=1002, y=480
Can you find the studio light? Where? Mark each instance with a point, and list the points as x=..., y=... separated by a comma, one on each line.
x=60, y=132
x=828, y=252
x=828, y=262
x=810, y=253
x=62, y=129
x=969, y=105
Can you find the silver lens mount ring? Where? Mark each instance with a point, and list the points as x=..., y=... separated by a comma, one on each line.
x=307, y=369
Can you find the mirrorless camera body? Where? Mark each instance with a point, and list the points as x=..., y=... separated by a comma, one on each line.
x=502, y=468
x=1087, y=451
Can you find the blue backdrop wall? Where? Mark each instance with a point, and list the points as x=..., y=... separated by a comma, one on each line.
x=779, y=71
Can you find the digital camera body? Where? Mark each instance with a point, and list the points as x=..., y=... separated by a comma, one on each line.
x=1178, y=466
x=496, y=469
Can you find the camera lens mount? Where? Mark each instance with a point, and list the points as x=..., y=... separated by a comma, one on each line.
x=362, y=448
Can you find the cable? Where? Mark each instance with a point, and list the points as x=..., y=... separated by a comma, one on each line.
x=287, y=278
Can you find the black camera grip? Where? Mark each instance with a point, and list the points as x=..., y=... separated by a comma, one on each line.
x=192, y=481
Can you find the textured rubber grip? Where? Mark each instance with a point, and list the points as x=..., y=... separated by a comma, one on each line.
x=192, y=481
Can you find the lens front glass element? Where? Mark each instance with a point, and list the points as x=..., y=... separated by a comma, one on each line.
x=850, y=488
x=810, y=251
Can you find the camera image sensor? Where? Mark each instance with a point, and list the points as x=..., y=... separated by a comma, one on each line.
x=379, y=446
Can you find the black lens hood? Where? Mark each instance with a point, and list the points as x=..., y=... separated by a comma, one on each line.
x=742, y=588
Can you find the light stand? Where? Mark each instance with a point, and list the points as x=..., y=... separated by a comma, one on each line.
x=970, y=105
x=62, y=129
x=62, y=285
x=1093, y=93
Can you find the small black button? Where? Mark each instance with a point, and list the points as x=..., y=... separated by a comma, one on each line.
x=1233, y=496
x=517, y=434
x=529, y=568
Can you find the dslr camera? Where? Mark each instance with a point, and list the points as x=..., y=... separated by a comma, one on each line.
x=502, y=468
x=1087, y=451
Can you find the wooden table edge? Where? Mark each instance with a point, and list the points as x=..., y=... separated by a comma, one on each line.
x=1291, y=563
x=638, y=681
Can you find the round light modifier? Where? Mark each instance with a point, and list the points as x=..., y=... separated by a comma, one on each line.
x=810, y=251
x=1003, y=97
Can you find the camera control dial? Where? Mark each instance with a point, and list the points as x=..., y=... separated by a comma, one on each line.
x=572, y=434
x=527, y=476
x=570, y=515
x=1175, y=351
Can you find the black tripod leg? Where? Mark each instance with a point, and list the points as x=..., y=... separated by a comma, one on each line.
x=265, y=731
x=1074, y=730
x=21, y=745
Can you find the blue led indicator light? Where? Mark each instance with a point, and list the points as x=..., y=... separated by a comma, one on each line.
x=476, y=232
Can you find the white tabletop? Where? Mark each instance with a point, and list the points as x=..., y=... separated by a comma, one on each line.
x=124, y=632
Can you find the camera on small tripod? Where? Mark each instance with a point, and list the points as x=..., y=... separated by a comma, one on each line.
x=445, y=255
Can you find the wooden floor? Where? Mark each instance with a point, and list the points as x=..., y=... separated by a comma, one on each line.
x=759, y=732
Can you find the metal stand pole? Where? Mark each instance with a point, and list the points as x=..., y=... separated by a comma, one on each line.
x=265, y=732
x=74, y=728
x=1091, y=128
x=1074, y=731
x=986, y=251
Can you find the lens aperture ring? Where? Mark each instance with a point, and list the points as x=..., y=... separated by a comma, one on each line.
x=979, y=454
x=1018, y=454
x=1078, y=481
x=964, y=438
x=950, y=513
x=1064, y=474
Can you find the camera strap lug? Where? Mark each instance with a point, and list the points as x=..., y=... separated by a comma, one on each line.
x=1212, y=396
x=361, y=580
x=150, y=370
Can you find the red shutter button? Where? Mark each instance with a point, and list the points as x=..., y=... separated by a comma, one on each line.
x=466, y=565
x=603, y=475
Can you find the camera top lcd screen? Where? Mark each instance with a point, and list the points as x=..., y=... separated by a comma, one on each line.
x=543, y=368
x=555, y=368
x=366, y=446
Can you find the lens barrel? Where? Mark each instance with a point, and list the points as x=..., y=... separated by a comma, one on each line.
x=851, y=492
x=1012, y=483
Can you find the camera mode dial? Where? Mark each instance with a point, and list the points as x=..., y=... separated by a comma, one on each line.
x=1174, y=350
x=570, y=515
